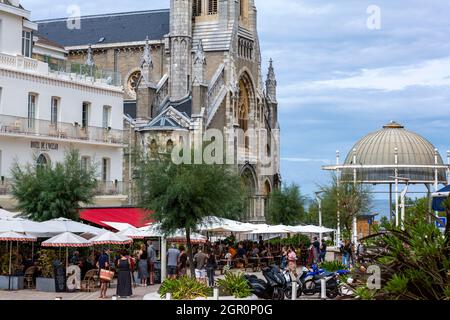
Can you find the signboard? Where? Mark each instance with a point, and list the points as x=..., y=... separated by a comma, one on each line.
x=60, y=278
x=45, y=146
x=442, y=224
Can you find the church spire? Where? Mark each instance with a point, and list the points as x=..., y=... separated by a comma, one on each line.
x=89, y=61
x=271, y=83
x=146, y=62
x=199, y=64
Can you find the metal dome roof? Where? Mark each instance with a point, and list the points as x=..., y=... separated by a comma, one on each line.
x=379, y=148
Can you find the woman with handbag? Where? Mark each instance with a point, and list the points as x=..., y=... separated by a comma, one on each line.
x=143, y=265
x=103, y=265
x=124, y=287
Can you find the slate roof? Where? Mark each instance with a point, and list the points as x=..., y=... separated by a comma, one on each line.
x=166, y=121
x=115, y=28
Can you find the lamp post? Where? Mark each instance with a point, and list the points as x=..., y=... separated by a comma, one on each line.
x=448, y=168
x=319, y=202
x=338, y=230
x=400, y=220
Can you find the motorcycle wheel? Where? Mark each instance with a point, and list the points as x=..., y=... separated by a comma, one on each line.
x=288, y=293
x=309, y=288
x=332, y=294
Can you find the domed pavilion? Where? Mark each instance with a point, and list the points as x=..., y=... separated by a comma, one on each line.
x=394, y=156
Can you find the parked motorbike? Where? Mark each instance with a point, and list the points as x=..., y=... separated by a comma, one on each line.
x=273, y=288
x=312, y=284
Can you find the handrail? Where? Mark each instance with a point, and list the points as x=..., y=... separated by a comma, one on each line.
x=61, y=130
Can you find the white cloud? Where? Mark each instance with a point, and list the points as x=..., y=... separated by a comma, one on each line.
x=431, y=73
x=305, y=160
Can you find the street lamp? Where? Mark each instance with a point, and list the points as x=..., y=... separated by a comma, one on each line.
x=402, y=203
x=319, y=201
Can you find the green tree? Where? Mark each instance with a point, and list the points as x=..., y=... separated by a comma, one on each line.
x=351, y=199
x=46, y=192
x=286, y=206
x=183, y=195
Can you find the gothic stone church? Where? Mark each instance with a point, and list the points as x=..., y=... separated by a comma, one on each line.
x=194, y=67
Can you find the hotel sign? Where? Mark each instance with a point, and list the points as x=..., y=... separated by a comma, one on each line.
x=41, y=145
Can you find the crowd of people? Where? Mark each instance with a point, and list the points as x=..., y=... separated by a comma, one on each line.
x=207, y=259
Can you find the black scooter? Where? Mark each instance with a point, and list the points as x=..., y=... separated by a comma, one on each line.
x=273, y=288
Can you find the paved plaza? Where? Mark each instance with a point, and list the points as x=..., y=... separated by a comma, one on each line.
x=138, y=293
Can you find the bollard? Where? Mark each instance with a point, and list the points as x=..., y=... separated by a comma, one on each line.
x=168, y=296
x=216, y=293
x=294, y=290
x=323, y=287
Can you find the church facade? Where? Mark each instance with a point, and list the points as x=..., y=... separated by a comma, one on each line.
x=191, y=71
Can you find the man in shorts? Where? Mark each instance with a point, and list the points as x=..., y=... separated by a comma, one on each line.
x=151, y=259
x=173, y=258
x=200, y=260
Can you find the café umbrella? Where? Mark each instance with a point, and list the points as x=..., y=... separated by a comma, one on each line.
x=11, y=237
x=67, y=240
x=110, y=238
x=21, y=226
x=132, y=233
x=66, y=225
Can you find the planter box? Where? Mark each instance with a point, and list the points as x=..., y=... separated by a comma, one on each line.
x=16, y=283
x=156, y=297
x=45, y=284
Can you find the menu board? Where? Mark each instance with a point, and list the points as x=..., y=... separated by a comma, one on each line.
x=60, y=279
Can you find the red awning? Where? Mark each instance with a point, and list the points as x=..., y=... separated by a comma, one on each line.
x=135, y=216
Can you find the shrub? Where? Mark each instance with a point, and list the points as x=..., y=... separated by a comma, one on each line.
x=45, y=262
x=234, y=284
x=414, y=262
x=332, y=266
x=184, y=288
x=297, y=240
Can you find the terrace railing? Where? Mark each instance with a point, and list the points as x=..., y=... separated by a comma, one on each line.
x=59, y=130
x=104, y=188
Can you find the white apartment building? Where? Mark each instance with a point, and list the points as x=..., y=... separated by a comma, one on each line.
x=46, y=108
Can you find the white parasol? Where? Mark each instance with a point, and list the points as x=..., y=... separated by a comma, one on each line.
x=65, y=225
x=66, y=240
x=111, y=238
x=132, y=233
x=21, y=226
x=222, y=225
x=10, y=237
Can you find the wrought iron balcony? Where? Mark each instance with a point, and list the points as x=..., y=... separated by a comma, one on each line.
x=13, y=125
x=104, y=188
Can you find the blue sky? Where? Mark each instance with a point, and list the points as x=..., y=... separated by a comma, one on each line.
x=338, y=80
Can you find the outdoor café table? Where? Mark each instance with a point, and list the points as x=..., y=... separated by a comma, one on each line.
x=257, y=261
x=277, y=259
x=270, y=260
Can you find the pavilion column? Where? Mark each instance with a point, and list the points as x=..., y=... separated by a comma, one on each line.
x=338, y=231
x=397, y=220
x=390, y=202
x=355, y=218
x=430, y=201
x=436, y=175
x=448, y=167
x=163, y=259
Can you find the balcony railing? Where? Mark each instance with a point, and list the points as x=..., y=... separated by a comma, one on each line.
x=77, y=71
x=18, y=62
x=59, y=130
x=111, y=188
x=104, y=188
x=5, y=187
x=62, y=69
